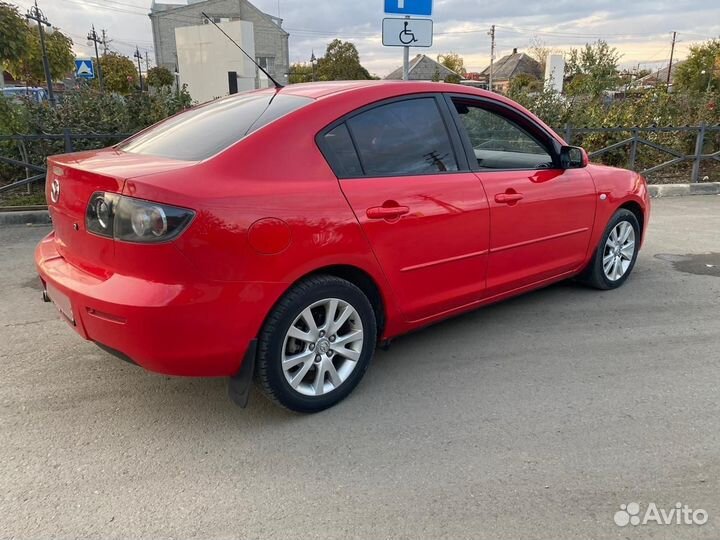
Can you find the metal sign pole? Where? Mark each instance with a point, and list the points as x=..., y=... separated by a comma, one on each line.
x=406, y=59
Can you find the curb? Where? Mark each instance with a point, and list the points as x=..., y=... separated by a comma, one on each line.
x=35, y=217
x=683, y=190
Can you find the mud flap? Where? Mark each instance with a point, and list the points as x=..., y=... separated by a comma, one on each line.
x=239, y=384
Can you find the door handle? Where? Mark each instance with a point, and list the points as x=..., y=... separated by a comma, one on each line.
x=508, y=198
x=387, y=212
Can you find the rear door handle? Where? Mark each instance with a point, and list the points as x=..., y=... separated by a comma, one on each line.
x=508, y=198
x=387, y=212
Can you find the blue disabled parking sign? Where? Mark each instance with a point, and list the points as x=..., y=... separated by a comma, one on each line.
x=84, y=69
x=409, y=7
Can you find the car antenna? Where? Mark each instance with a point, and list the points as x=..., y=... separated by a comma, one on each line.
x=278, y=86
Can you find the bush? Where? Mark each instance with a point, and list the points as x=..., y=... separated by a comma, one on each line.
x=651, y=108
x=85, y=110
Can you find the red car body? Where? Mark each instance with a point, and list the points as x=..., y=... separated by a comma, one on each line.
x=269, y=210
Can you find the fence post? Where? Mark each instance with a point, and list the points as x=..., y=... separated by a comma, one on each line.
x=67, y=137
x=568, y=134
x=633, y=149
x=699, y=144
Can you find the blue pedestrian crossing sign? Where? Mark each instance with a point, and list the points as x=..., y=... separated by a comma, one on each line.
x=409, y=7
x=84, y=69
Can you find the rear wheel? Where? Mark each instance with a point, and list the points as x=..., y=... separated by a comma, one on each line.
x=615, y=256
x=316, y=345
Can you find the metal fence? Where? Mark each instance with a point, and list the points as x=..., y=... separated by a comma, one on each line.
x=35, y=172
x=633, y=138
x=624, y=152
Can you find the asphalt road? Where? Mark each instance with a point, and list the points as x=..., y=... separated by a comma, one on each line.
x=536, y=418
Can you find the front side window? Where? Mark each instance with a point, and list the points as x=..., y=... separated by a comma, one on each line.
x=499, y=143
x=403, y=138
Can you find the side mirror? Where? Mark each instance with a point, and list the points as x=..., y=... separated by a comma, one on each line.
x=573, y=157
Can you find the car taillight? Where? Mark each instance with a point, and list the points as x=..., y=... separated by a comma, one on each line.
x=135, y=220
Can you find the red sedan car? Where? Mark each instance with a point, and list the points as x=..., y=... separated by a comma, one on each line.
x=281, y=234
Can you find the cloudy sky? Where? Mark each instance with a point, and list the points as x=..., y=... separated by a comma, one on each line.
x=641, y=29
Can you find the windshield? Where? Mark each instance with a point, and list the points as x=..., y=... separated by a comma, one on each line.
x=203, y=131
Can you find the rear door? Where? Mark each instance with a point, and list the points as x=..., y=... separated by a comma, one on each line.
x=424, y=213
x=541, y=215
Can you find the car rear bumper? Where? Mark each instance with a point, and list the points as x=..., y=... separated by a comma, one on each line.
x=189, y=329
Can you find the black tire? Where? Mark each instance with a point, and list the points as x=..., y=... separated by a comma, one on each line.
x=272, y=342
x=594, y=275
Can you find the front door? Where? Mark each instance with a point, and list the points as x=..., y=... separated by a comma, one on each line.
x=541, y=215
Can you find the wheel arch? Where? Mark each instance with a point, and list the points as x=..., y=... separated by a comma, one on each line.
x=355, y=275
x=637, y=210
x=364, y=281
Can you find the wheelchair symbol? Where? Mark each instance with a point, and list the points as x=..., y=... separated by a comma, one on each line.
x=407, y=36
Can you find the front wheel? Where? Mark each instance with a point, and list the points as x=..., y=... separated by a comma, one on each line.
x=616, y=253
x=316, y=344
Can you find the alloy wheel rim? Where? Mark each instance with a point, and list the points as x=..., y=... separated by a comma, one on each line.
x=322, y=347
x=619, y=251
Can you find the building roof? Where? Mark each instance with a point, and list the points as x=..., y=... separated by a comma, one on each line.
x=422, y=68
x=162, y=8
x=512, y=65
x=658, y=76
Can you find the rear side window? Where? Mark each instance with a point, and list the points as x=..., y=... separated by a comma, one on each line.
x=403, y=138
x=204, y=131
x=341, y=153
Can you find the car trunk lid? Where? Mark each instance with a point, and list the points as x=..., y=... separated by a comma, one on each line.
x=71, y=181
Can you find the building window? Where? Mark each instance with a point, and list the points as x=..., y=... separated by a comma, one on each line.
x=219, y=19
x=267, y=63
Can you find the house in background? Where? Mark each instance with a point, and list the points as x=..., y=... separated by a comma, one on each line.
x=509, y=67
x=185, y=41
x=423, y=68
x=658, y=77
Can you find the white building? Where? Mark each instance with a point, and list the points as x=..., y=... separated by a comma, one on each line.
x=186, y=41
x=205, y=57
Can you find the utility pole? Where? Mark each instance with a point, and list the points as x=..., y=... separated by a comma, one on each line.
x=312, y=64
x=672, y=51
x=406, y=59
x=92, y=36
x=105, y=42
x=35, y=14
x=139, y=57
x=491, y=33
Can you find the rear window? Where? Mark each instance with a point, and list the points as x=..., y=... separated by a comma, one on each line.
x=204, y=131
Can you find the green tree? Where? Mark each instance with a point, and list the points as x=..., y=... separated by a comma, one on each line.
x=13, y=34
x=119, y=73
x=454, y=62
x=524, y=82
x=160, y=76
x=341, y=63
x=592, y=69
x=300, y=73
x=701, y=71
x=29, y=66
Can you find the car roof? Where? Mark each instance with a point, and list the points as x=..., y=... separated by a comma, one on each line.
x=319, y=90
